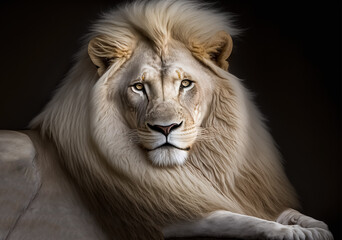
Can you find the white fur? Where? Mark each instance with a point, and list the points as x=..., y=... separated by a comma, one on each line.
x=168, y=156
x=228, y=224
x=236, y=168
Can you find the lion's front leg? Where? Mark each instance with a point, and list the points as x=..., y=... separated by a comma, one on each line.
x=233, y=225
x=318, y=228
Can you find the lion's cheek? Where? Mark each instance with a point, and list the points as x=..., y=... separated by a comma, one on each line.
x=197, y=115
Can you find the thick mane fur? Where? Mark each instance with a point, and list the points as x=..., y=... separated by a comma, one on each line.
x=237, y=169
x=159, y=21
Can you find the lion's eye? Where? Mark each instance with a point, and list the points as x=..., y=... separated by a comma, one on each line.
x=186, y=83
x=138, y=86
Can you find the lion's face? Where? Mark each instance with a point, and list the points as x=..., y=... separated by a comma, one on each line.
x=165, y=100
x=164, y=89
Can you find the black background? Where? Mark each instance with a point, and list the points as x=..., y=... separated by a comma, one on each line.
x=288, y=55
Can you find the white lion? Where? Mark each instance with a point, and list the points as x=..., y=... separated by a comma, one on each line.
x=161, y=139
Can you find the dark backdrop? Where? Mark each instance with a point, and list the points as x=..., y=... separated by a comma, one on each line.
x=288, y=55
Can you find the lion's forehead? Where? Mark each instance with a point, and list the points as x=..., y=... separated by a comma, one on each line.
x=151, y=66
x=149, y=73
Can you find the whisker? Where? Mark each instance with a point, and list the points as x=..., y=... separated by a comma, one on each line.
x=149, y=139
x=205, y=134
x=202, y=134
x=189, y=129
x=133, y=135
x=209, y=134
x=143, y=130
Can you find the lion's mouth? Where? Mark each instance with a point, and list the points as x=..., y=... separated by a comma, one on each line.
x=169, y=145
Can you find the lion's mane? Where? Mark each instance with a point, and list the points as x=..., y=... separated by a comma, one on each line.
x=237, y=169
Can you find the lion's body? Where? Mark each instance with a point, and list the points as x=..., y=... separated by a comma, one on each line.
x=234, y=167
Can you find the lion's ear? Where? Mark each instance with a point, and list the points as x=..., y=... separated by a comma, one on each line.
x=217, y=50
x=103, y=51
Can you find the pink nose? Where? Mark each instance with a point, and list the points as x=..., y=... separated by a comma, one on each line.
x=164, y=129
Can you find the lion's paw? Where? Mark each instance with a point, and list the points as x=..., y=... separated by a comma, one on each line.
x=285, y=233
x=296, y=232
x=293, y=217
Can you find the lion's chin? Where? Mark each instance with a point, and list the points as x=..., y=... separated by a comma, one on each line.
x=167, y=156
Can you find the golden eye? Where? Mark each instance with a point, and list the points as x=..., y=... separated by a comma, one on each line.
x=186, y=83
x=138, y=86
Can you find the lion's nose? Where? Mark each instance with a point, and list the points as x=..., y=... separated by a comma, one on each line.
x=164, y=129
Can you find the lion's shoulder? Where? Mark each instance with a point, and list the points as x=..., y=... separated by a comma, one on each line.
x=19, y=178
x=37, y=201
x=15, y=148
